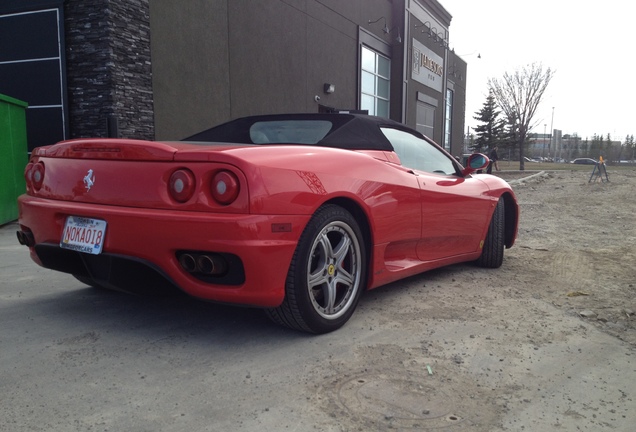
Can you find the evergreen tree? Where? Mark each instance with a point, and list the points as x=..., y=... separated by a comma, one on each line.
x=509, y=137
x=585, y=148
x=627, y=149
x=490, y=132
x=607, y=151
x=630, y=147
x=595, y=146
x=621, y=150
x=574, y=148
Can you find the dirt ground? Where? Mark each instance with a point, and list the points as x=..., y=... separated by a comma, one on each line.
x=543, y=343
x=577, y=245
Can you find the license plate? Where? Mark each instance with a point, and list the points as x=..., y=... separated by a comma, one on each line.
x=83, y=235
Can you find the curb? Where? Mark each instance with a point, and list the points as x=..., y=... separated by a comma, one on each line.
x=522, y=180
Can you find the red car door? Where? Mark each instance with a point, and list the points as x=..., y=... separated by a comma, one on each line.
x=455, y=215
x=455, y=209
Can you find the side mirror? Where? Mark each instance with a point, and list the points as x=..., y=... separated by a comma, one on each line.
x=476, y=161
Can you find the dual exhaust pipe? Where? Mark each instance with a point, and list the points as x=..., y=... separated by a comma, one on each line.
x=25, y=238
x=204, y=263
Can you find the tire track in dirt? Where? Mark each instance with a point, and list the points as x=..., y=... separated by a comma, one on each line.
x=572, y=270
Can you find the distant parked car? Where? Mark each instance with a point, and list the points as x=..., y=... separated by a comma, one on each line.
x=527, y=159
x=584, y=161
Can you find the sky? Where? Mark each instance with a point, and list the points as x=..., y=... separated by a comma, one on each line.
x=592, y=51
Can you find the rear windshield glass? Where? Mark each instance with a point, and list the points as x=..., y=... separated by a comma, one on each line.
x=289, y=131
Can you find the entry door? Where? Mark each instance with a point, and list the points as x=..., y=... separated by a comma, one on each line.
x=425, y=118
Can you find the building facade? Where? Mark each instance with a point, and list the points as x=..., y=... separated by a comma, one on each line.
x=160, y=69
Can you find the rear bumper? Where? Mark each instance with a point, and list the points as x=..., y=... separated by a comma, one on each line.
x=142, y=242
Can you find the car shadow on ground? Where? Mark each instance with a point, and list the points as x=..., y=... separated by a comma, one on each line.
x=77, y=306
x=412, y=283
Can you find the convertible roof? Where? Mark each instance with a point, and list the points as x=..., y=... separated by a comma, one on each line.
x=348, y=131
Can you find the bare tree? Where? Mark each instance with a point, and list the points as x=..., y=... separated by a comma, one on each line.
x=518, y=95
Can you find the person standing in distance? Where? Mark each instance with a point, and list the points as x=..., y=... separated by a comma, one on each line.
x=494, y=158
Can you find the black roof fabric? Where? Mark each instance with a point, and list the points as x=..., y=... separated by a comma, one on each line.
x=349, y=131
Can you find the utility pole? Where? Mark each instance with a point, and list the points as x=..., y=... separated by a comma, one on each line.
x=543, y=146
x=551, y=132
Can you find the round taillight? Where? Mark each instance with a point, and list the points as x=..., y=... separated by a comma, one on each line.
x=225, y=187
x=181, y=185
x=37, y=175
x=28, y=174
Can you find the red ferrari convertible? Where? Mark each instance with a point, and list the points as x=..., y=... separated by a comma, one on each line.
x=297, y=214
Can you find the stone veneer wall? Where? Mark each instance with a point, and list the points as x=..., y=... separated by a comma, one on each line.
x=109, y=71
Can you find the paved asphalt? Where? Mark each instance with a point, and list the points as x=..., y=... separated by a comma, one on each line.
x=74, y=358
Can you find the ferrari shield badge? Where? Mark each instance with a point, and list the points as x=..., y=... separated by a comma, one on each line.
x=89, y=180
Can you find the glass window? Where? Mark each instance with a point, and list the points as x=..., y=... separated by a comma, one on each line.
x=425, y=119
x=382, y=90
x=374, y=85
x=368, y=83
x=419, y=154
x=289, y=131
x=384, y=66
x=382, y=108
x=368, y=60
x=368, y=103
x=449, y=119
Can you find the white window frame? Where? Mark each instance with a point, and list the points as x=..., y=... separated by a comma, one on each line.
x=378, y=78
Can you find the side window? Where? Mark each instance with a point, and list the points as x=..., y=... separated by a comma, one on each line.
x=419, y=154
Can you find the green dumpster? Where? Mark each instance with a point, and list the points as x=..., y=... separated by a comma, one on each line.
x=13, y=156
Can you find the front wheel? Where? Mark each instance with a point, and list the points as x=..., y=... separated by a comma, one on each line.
x=493, y=251
x=327, y=274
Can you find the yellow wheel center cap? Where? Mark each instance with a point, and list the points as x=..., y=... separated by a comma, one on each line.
x=331, y=269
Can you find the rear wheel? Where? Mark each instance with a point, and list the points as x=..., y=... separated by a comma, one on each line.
x=326, y=275
x=493, y=250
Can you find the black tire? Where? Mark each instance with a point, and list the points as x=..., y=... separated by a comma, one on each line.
x=326, y=276
x=493, y=251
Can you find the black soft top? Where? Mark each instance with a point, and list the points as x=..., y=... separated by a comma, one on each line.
x=348, y=131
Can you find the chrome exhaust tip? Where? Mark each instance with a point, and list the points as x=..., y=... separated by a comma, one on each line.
x=188, y=263
x=202, y=263
x=205, y=264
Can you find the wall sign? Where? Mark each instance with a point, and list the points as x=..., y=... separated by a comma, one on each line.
x=428, y=67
